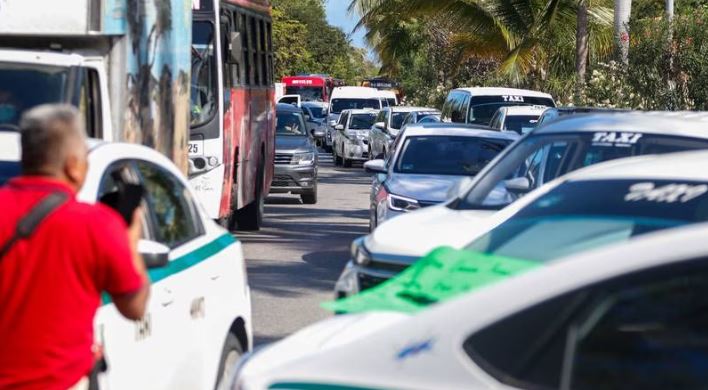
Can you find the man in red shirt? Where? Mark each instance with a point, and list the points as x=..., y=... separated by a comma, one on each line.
x=51, y=282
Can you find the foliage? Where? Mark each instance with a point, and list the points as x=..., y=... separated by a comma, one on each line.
x=306, y=43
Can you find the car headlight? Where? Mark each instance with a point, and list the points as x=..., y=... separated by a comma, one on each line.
x=360, y=255
x=303, y=159
x=401, y=203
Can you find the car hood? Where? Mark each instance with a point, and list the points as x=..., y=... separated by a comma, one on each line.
x=417, y=233
x=380, y=350
x=292, y=144
x=426, y=188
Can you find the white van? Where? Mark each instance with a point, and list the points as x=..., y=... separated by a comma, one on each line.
x=350, y=98
x=478, y=105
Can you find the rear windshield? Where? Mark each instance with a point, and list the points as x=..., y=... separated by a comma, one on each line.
x=339, y=105
x=540, y=158
x=573, y=218
x=447, y=155
x=290, y=123
x=520, y=124
x=362, y=121
x=483, y=108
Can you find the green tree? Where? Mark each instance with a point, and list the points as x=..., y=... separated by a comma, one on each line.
x=292, y=55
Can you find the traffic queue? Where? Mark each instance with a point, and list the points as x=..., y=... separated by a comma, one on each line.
x=513, y=244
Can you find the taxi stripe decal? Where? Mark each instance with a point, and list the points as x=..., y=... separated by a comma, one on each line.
x=187, y=261
x=314, y=386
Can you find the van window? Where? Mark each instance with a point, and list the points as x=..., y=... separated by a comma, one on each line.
x=339, y=105
x=455, y=109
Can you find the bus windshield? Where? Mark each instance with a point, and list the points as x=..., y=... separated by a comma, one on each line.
x=23, y=86
x=308, y=94
x=203, y=104
x=339, y=105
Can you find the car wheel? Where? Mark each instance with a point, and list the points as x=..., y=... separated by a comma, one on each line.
x=310, y=197
x=230, y=355
x=337, y=159
x=346, y=162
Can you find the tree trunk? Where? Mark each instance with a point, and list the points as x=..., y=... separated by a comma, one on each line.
x=623, y=9
x=581, y=48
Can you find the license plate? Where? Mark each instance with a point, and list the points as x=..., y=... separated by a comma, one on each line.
x=196, y=148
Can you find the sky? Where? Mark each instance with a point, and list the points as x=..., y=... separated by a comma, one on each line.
x=337, y=15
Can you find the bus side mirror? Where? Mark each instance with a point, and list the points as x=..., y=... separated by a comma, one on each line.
x=235, y=48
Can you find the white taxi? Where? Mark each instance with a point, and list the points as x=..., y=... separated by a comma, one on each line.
x=198, y=318
x=544, y=154
x=626, y=316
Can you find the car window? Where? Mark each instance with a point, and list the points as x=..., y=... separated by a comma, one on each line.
x=573, y=218
x=646, y=330
x=290, y=124
x=344, y=118
x=173, y=211
x=447, y=155
x=362, y=121
x=381, y=117
x=521, y=124
x=118, y=173
x=397, y=119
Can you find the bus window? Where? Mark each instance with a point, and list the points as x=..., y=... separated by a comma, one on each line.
x=247, y=77
x=202, y=95
x=253, y=32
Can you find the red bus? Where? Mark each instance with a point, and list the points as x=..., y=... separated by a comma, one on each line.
x=232, y=138
x=311, y=88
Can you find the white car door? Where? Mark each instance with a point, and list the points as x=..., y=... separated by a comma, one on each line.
x=123, y=340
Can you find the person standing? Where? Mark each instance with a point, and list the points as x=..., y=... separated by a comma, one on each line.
x=51, y=282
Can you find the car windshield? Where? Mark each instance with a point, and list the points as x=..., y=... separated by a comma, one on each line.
x=397, y=119
x=203, y=104
x=317, y=112
x=290, y=124
x=339, y=105
x=483, y=108
x=447, y=155
x=307, y=94
x=362, y=121
x=23, y=86
x=572, y=217
x=520, y=124
x=540, y=158
x=8, y=170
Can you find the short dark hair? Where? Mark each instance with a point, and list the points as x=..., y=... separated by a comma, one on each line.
x=45, y=131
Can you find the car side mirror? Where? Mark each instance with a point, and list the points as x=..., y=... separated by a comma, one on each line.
x=339, y=127
x=518, y=186
x=307, y=117
x=235, y=48
x=318, y=133
x=375, y=166
x=154, y=254
x=380, y=125
x=333, y=123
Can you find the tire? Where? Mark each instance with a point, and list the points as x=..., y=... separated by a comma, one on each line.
x=337, y=159
x=250, y=218
x=346, y=162
x=311, y=196
x=230, y=354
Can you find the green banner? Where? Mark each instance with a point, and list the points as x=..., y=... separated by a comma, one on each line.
x=443, y=274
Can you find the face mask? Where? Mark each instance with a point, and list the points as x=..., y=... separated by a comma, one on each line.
x=7, y=113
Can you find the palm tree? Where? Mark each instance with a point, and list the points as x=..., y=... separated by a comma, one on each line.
x=526, y=37
x=623, y=8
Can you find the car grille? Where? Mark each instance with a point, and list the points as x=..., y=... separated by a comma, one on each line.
x=368, y=281
x=383, y=266
x=427, y=204
x=283, y=181
x=283, y=159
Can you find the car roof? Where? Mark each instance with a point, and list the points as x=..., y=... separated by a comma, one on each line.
x=355, y=93
x=673, y=166
x=41, y=57
x=493, y=91
x=640, y=122
x=362, y=111
x=284, y=107
x=668, y=247
x=412, y=109
x=524, y=110
x=456, y=129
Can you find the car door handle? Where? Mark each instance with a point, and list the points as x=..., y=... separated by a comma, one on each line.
x=168, y=297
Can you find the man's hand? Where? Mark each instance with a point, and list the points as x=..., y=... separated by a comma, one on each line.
x=132, y=306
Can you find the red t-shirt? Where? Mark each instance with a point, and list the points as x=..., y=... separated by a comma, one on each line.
x=50, y=285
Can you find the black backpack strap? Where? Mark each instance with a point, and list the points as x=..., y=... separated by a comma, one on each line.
x=29, y=223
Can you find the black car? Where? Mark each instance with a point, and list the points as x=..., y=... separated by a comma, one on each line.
x=295, y=155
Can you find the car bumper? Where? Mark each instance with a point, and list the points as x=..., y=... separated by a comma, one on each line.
x=356, y=150
x=356, y=278
x=293, y=179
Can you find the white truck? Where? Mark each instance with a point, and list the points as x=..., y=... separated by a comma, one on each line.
x=124, y=63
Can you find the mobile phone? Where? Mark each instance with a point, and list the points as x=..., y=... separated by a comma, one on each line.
x=125, y=200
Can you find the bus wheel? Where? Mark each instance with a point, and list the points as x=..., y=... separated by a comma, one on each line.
x=250, y=218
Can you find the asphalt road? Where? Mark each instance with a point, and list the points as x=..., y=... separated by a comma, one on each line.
x=294, y=261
